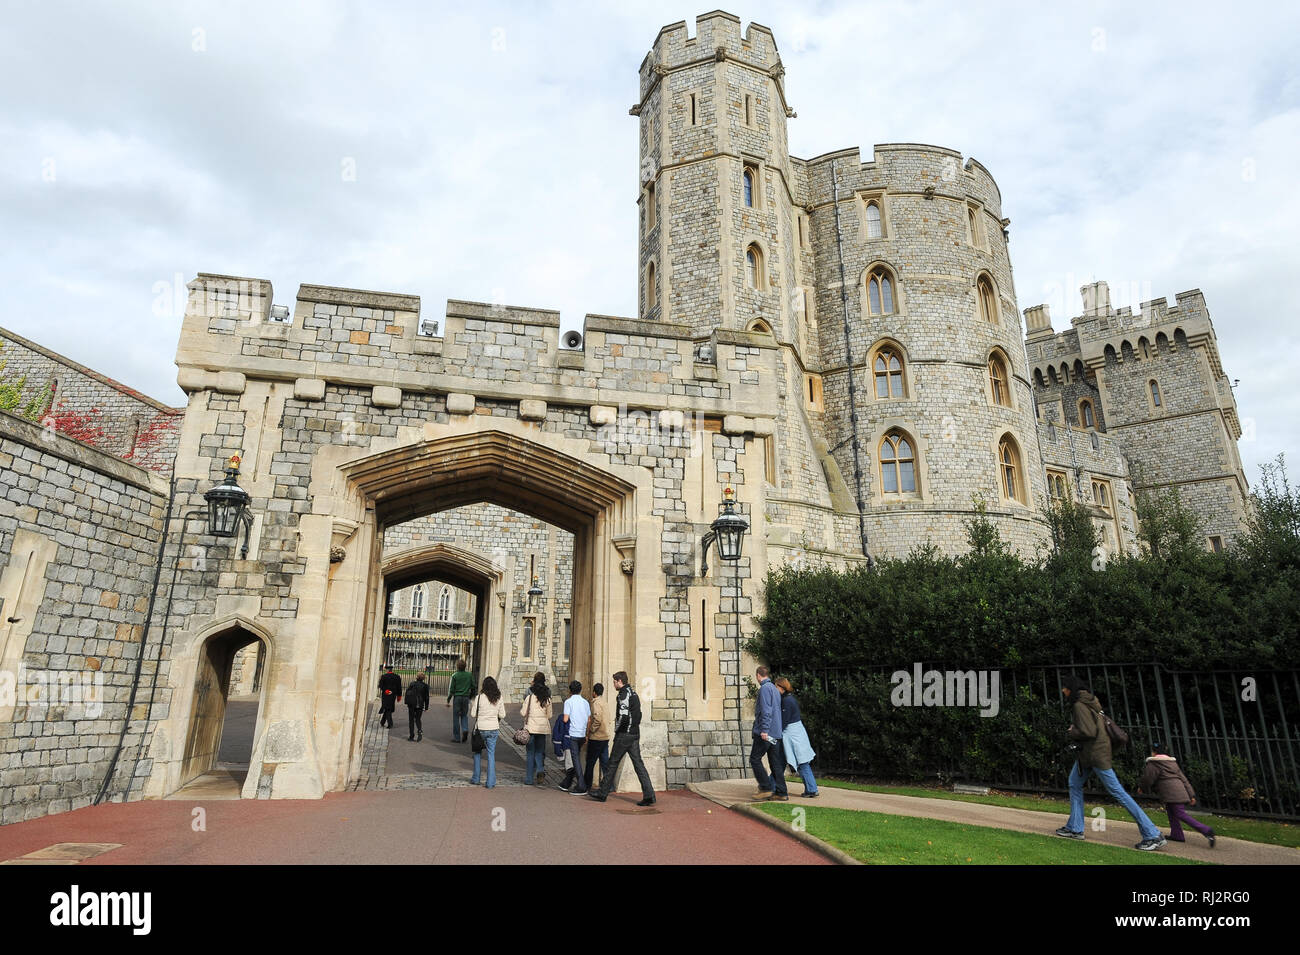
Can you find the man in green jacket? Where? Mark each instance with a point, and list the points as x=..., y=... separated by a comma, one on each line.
x=1088, y=731
x=462, y=685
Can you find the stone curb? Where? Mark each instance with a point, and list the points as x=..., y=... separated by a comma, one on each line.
x=812, y=842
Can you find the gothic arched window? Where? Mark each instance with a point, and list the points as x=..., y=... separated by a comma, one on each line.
x=888, y=370
x=988, y=300
x=999, y=385
x=880, y=291
x=1009, y=465
x=897, y=464
x=754, y=276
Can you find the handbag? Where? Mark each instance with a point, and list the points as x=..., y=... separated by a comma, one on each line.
x=522, y=736
x=1118, y=737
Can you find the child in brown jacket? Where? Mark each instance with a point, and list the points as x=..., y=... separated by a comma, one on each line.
x=1163, y=776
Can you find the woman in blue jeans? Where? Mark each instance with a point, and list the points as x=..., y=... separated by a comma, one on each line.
x=794, y=737
x=536, y=715
x=1088, y=731
x=488, y=710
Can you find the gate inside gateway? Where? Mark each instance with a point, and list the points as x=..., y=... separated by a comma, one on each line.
x=473, y=591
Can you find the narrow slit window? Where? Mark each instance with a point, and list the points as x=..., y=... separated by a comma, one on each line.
x=874, y=230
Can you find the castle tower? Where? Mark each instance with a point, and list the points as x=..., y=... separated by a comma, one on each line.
x=716, y=229
x=910, y=249
x=1154, y=382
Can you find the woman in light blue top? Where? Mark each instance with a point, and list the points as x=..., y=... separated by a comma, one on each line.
x=798, y=750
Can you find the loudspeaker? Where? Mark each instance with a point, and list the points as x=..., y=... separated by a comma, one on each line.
x=572, y=339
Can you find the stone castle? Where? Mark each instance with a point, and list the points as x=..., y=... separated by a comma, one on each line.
x=837, y=340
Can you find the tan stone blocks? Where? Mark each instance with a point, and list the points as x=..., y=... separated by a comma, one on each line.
x=386, y=396
x=737, y=424
x=458, y=403
x=601, y=415
x=231, y=382
x=532, y=409
x=309, y=389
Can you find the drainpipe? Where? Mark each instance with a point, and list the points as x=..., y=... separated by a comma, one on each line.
x=848, y=364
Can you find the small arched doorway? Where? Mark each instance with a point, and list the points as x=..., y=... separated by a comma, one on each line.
x=222, y=728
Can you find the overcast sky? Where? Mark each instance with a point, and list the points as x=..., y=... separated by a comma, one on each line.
x=487, y=154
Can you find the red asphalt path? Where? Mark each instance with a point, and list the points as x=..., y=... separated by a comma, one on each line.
x=432, y=826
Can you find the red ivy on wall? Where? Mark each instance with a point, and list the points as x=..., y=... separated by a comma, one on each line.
x=81, y=426
x=147, y=442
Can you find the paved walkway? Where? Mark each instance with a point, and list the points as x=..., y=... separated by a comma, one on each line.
x=433, y=826
x=1120, y=829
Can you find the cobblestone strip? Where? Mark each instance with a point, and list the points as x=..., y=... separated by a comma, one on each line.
x=374, y=754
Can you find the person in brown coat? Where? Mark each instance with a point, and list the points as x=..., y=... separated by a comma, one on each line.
x=1164, y=777
x=1088, y=732
x=599, y=732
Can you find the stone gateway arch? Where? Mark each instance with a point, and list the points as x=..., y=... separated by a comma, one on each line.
x=348, y=421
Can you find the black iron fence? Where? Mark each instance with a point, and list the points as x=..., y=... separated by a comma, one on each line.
x=435, y=656
x=1236, y=733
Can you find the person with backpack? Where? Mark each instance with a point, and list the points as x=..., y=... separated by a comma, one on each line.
x=1088, y=731
x=1165, y=777
x=536, y=716
x=458, y=693
x=390, y=691
x=488, y=710
x=627, y=742
x=417, y=701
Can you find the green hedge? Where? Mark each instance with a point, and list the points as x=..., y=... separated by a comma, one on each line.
x=992, y=609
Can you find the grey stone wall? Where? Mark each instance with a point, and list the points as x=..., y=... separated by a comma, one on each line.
x=100, y=520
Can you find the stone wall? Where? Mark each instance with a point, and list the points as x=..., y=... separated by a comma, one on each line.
x=79, y=532
x=72, y=400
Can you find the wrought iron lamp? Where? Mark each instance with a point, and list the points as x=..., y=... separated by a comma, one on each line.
x=228, y=507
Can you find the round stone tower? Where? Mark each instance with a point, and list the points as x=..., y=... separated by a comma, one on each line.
x=910, y=250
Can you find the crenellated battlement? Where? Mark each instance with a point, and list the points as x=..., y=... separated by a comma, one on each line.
x=1101, y=326
x=715, y=31
x=901, y=167
x=362, y=338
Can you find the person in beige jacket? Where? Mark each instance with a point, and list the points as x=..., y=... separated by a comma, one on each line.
x=488, y=710
x=599, y=732
x=535, y=712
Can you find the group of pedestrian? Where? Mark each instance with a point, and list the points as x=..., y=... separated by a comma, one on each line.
x=1091, y=737
x=417, y=700
x=584, y=723
x=779, y=737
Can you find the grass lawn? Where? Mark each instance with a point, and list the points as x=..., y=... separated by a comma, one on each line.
x=882, y=839
x=1251, y=830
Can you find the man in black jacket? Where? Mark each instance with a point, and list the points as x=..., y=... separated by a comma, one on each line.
x=390, y=691
x=417, y=701
x=627, y=742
